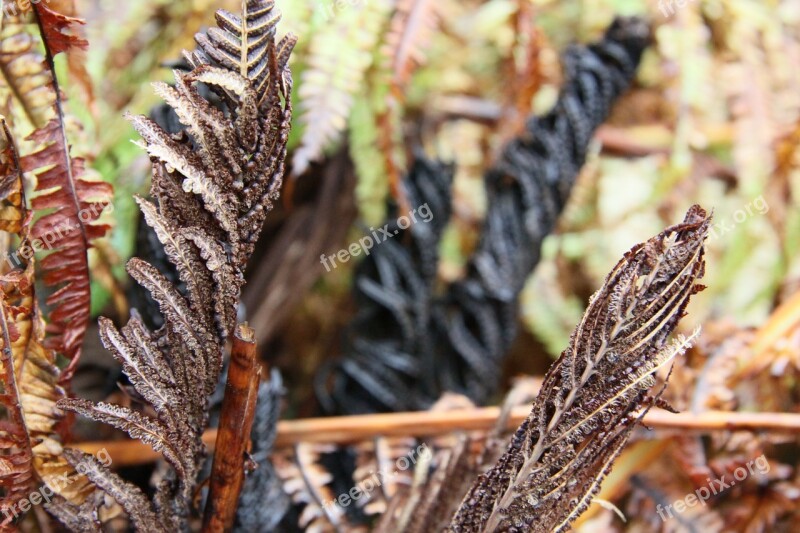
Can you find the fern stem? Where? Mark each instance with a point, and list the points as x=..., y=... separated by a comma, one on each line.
x=236, y=421
x=351, y=429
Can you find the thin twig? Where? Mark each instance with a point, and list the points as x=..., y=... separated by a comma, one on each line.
x=350, y=429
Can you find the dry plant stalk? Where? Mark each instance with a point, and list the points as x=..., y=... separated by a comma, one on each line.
x=233, y=434
x=596, y=392
x=343, y=430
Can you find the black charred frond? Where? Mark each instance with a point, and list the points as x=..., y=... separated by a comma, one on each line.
x=394, y=289
x=408, y=346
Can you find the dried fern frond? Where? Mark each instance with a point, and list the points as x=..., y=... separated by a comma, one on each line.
x=68, y=203
x=69, y=228
x=394, y=287
x=16, y=455
x=25, y=76
x=32, y=432
x=213, y=184
x=307, y=482
x=412, y=26
x=595, y=393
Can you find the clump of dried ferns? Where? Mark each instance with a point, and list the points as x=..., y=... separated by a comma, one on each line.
x=32, y=429
x=595, y=393
x=213, y=185
x=408, y=345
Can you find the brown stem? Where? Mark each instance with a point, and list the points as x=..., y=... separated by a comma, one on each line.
x=233, y=435
x=350, y=429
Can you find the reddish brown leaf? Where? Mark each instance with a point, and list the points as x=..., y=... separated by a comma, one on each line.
x=53, y=24
x=72, y=208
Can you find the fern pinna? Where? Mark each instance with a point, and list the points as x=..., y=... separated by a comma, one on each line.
x=596, y=392
x=213, y=186
x=403, y=356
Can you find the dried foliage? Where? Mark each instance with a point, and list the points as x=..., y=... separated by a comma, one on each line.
x=409, y=345
x=308, y=481
x=25, y=74
x=32, y=430
x=410, y=33
x=594, y=394
x=67, y=205
x=213, y=186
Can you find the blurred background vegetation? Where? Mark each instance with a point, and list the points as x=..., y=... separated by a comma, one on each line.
x=714, y=119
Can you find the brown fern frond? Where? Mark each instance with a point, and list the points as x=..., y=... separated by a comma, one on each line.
x=213, y=184
x=16, y=455
x=71, y=205
x=68, y=205
x=32, y=436
x=308, y=482
x=412, y=27
x=77, y=48
x=52, y=25
x=595, y=393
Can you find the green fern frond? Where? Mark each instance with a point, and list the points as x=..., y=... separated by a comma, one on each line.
x=340, y=54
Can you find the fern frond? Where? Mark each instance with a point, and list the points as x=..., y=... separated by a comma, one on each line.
x=395, y=284
x=71, y=205
x=308, y=483
x=74, y=206
x=128, y=495
x=595, y=393
x=340, y=54
x=32, y=436
x=16, y=455
x=412, y=27
x=371, y=188
x=213, y=185
x=83, y=518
